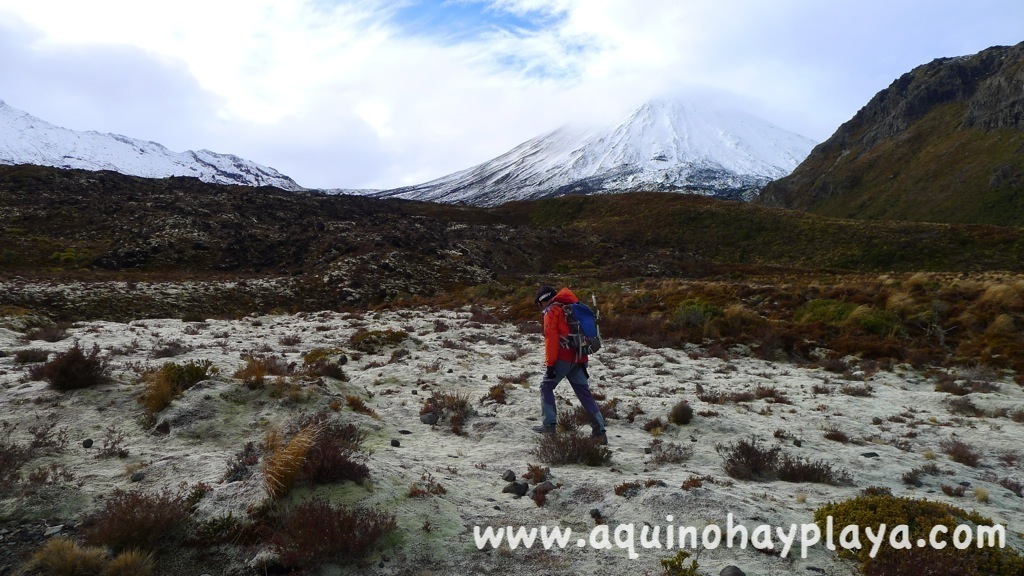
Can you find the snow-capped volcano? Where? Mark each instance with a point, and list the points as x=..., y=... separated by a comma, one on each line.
x=663, y=145
x=25, y=139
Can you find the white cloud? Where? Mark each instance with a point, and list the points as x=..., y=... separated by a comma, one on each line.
x=347, y=94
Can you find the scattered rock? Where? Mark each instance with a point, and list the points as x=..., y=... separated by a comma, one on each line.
x=870, y=455
x=797, y=442
x=53, y=530
x=648, y=450
x=509, y=476
x=396, y=443
x=164, y=427
x=544, y=487
x=595, y=513
x=731, y=571
x=87, y=443
x=138, y=476
x=429, y=418
x=517, y=488
x=405, y=431
x=965, y=484
x=815, y=569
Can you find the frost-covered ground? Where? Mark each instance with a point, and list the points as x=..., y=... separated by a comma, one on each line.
x=897, y=428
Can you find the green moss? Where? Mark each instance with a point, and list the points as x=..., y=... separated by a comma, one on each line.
x=826, y=311
x=374, y=341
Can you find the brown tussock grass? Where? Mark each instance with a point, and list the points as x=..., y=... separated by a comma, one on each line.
x=283, y=462
x=63, y=557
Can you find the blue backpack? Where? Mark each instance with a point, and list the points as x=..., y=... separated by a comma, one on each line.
x=584, y=334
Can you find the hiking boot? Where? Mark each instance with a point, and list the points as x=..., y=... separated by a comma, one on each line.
x=544, y=429
x=601, y=437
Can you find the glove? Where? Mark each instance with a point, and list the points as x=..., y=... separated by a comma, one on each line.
x=550, y=372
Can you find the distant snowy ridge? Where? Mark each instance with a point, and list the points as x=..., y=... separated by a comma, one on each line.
x=663, y=145
x=25, y=139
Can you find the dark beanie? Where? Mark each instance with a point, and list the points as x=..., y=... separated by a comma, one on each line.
x=545, y=293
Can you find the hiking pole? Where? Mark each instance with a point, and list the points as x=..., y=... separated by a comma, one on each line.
x=597, y=314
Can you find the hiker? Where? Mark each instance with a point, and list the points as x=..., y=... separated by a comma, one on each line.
x=562, y=361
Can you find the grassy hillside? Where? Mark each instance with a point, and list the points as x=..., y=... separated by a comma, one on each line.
x=934, y=172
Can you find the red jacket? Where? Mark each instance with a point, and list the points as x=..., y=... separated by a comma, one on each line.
x=556, y=329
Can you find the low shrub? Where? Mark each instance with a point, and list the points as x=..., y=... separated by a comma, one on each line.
x=920, y=517
x=832, y=432
x=136, y=519
x=960, y=452
x=375, y=341
x=335, y=456
x=314, y=531
x=681, y=413
x=747, y=459
x=31, y=356
x=670, y=453
x=571, y=448
x=795, y=469
x=52, y=333
x=73, y=369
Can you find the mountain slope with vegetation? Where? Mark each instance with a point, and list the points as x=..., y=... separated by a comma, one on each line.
x=943, y=143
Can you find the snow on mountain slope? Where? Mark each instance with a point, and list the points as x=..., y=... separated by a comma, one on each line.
x=25, y=139
x=663, y=145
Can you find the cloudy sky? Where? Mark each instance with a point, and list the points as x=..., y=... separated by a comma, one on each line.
x=379, y=94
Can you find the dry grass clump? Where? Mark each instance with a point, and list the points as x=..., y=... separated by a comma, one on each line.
x=284, y=461
x=571, y=448
x=73, y=369
x=170, y=381
x=63, y=557
x=427, y=486
x=454, y=406
x=258, y=367
x=310, y=533
x=138, y=520
x=357, y=404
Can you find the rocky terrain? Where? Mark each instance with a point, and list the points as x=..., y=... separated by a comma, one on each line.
x=877, y=426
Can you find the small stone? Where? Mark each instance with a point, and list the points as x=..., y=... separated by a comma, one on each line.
x=517, y=488
x=870, y=455
x=731, y=571
x=544, y=487
x=429, y=418
x=87, y=443
x=164, y=427
x=797, y=442
x=965, y=484
x=415, y=392
x=595, y=513
x=648, y=450
x=405, y=432
x=138, y=476
x=509, y=476
x=395, y=443
x=53, y=530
